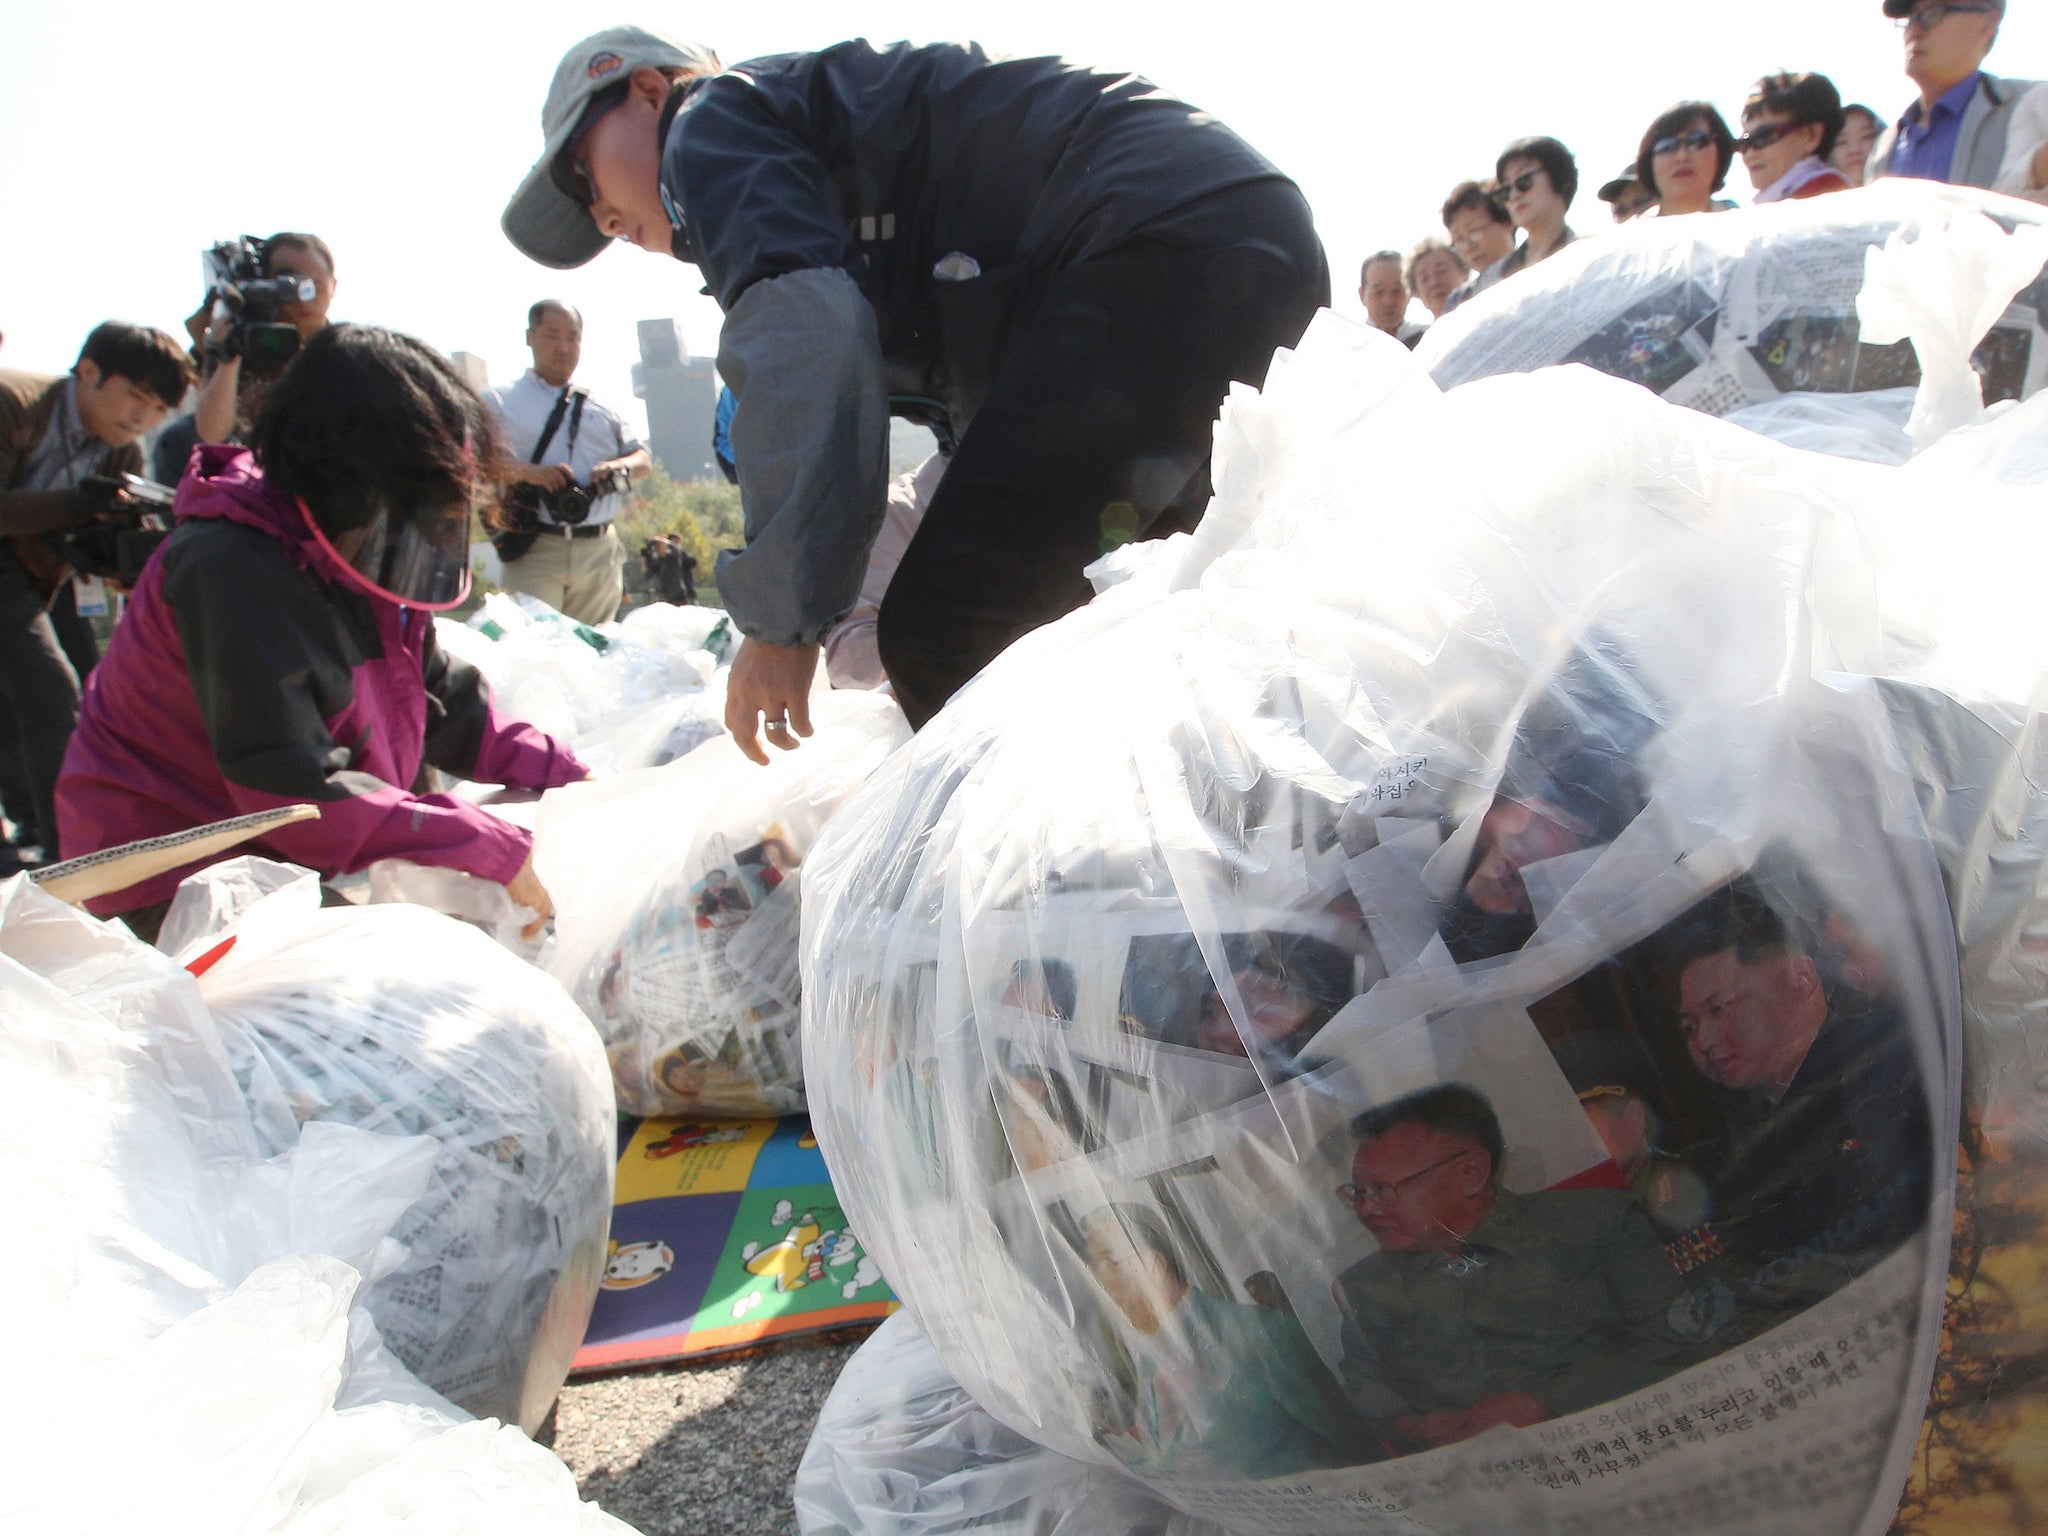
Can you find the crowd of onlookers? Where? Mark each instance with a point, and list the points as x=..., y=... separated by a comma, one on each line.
x=1798, y=140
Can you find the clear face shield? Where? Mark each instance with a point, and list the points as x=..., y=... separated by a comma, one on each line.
x=418, y=557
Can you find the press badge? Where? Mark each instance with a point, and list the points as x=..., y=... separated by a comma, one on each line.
x=91, y=595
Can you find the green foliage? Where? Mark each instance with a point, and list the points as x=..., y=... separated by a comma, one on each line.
x=705, y=514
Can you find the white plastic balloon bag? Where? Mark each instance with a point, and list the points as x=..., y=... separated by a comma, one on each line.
x=401, y=1021
x=677, y=907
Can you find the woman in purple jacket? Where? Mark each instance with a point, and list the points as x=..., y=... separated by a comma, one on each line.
x=280, y=647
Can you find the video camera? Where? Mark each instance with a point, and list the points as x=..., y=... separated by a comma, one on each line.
x=135, y=517
x=239, y=281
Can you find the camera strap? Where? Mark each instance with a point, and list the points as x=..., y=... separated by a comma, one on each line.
x=562, y=404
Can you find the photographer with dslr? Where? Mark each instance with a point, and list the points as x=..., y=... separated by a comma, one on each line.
x=57, y=434
x=570, y=459
x=280, y=646
x=291, y=276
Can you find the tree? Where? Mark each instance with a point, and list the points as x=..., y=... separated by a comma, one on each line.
x=705, y=515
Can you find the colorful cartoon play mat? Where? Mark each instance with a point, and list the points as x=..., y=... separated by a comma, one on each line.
x=725, y=1234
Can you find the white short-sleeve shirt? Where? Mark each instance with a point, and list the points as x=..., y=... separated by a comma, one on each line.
x=523, y=407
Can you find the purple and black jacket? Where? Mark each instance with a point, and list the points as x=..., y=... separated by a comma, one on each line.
x=247, y=674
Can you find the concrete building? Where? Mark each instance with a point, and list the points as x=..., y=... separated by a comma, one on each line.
x=681, y=392
x=474, y=370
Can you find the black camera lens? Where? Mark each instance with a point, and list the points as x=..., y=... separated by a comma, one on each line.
x=570, y=505
x=267, y=347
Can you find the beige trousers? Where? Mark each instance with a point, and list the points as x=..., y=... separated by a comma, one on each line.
x=580, y=577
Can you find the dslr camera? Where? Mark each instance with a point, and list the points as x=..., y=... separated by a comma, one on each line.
x=571, y=505
x=239, y=282
x=135, y=517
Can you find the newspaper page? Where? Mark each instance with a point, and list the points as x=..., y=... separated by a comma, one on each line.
x=701, y=995
x=1756, y=303
x=1729, y=1340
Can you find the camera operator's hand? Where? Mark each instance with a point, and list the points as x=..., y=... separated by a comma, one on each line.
x=525, y=889
x=771, y=685
x=213, y=413
x=103, y=501
x=549, y=477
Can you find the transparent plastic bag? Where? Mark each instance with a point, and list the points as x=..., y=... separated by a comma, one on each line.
x=396, y=1020
x=568, y=679
x=206, y=904
x=484, y=904
x=901, y=1450
x=163, y=1267
x=1269, y=1029
x=684, y=628
x=688, y=965
x=231, y=1423
x=1731, y=311
x=657, y=733
x=1870, y=426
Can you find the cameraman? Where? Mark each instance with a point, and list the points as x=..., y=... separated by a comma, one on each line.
x=280, y=645
x=573, y=564
x=231, y=396
x=54, y=434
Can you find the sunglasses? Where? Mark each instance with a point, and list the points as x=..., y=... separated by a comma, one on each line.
x=1521, y=183
x=1765, y=135
x=1698, y=139
x=567, y=171
x=1928, y=17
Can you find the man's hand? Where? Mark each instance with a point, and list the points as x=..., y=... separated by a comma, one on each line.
x=525, y=889
x=630, y=468
x=213, y=413
x=771, y=683
x=549, y=477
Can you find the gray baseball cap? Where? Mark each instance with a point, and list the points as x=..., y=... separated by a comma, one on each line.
x=542, y=220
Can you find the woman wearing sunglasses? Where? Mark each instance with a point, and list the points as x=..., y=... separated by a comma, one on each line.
x=1684, y=159
x=280, y=644
x=1789, y=127
x=1538, y=178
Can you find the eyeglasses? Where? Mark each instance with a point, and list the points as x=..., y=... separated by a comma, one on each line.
x=1698, y=139
x=1521, y=183
x=1928, y=17
x=567, y=171
x=1764, y=135
x=1381, y=1193
x=572, y=179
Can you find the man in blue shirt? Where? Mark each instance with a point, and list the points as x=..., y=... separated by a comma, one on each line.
x=1958, y=130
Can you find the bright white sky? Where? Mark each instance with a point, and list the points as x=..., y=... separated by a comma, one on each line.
x=140, y=131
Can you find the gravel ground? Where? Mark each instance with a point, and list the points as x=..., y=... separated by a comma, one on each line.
x=701, y=1450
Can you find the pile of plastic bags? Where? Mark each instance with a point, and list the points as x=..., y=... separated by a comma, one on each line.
x=687, y=957
x=174, y=1272
x=629, y=694
x=1733, y=311
x=1444, y=997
